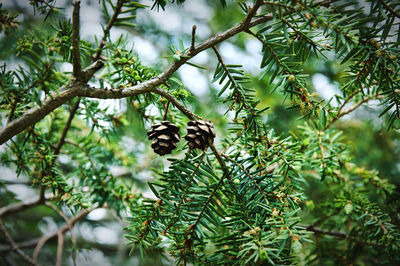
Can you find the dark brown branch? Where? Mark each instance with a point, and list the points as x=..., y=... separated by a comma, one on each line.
x=66, y=128
x=76, y=56
x=117, y=11
x=14, y=246
x=193, y=39
x=389, y=8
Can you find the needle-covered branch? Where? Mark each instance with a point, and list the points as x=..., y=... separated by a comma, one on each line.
x=110, y=24
x=74, y=89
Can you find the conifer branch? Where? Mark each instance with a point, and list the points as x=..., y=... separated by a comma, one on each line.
x=74, y=89
x=175, y=215
x=342, y=112
x=249, y=176
x=252, y=12
x=118, y=9
x=147, y=223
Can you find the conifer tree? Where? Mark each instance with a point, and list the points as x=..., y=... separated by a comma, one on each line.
x=228, y=184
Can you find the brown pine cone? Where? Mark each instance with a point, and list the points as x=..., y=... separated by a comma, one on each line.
x=165, y=135
x=200, y=134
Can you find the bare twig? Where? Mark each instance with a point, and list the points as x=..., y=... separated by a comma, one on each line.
x=60, y=248
x=76, y=56
x=348, y=98
x=166, y=111
x=278, y=4
x=61, y=236
x=61, y=230
x=14, y=246
x=19, y=206
x=339, y=234
x=66, y=127
x=342, y=112
x=193, y=39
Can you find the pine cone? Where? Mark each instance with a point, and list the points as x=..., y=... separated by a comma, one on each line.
x=200, y=134
x=165, y=135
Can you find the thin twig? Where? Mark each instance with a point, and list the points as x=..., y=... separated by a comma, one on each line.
x=19, y=206
x=66, y=127
x=60, y=248
x=76, y=55
x=166, y=111
x=342, y=112
x=193, y=39
x=67, y=222
x=14, y=246
x=61, y=230
x=117, y=11
x=278, y=4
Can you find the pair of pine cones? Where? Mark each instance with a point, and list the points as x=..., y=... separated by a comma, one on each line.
x=165, y=135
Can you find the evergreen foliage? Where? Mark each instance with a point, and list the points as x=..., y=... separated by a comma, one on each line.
x=265, y=191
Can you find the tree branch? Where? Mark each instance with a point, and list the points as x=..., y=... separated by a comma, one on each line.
x=74, y=88
x=339, y=234
x=342, y=112
x=20, y=206
x=35, y=114
x=193, y=38
x=66, y=128
x=76, y=56
x=62, y=230
x=14, y=246
x=60, y=236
